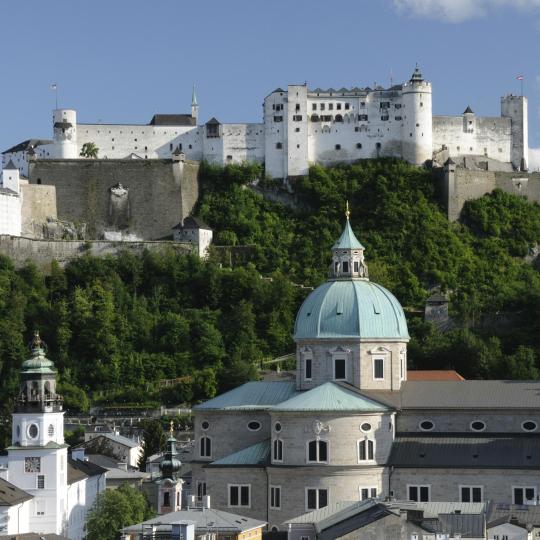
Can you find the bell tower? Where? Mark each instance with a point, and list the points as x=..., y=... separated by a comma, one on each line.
x=37, y=457
x=169, y=485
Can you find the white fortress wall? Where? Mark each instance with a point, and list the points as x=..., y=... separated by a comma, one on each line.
x=489, y=136
x=243, y=142
x=275, y=144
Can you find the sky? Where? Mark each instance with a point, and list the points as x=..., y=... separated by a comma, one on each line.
x=121, y=61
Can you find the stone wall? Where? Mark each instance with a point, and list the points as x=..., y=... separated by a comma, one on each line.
x=459, y=185
x=38, y=204
x=42, y=252
x=147, y=199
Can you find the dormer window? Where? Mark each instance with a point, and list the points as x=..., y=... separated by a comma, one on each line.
x=345, y=267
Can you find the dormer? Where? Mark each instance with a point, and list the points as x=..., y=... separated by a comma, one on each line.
x=348, y=256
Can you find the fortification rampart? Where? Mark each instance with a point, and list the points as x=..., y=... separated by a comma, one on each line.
x=460, y=185
x=22, y=250
x=140, y=198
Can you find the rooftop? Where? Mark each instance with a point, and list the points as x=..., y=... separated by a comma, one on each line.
x=11, y=495
x=79, y=470
x=172, y=120
x=26, y=145
x=255, y=455
x=433, y=375
x=348, y=240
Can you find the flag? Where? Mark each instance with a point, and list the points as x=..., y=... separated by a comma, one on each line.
x=519, y=77
x=53, y=86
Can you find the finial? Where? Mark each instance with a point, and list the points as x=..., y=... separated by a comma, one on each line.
x=171, y=428
x=36, y=342
x=347, y=211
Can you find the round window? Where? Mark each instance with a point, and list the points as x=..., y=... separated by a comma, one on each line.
x=365, y=427
x=426, y=425
x=254, y=426
x=33, y=431
x=205, y=425
x=529, y=425
x=478, y=425
x=277, y=427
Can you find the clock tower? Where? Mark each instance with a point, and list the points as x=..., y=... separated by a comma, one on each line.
x=37, y=457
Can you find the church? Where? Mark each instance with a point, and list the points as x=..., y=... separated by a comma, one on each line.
x=43, y=490
x=352, y=427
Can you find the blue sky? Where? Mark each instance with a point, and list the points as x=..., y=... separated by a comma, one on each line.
x=122, y=61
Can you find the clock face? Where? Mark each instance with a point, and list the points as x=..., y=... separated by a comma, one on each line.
x=32, y=464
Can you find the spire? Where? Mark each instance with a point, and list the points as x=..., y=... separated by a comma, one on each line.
x=193, y=97
x=170, y=464
x=417, y=75
x=194, y=106
x=348, y=254
x=347, y=211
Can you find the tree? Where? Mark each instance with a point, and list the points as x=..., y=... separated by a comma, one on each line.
x=153, y=441
x=114, y=509
x=89, y=150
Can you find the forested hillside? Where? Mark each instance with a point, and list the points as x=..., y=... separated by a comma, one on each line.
x=116, y=327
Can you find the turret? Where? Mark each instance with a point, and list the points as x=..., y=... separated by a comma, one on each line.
x=11, y=177
x=65, y=134
x=194, y=106
x=469, y=120
x=169, y=485
x=516, y=108
x=417, y=140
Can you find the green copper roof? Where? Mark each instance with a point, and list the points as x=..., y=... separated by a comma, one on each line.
x=347, y=240
x=258, y=454
x=251, y=396
x=38, y=363
x=351, y=309
x=331, y=396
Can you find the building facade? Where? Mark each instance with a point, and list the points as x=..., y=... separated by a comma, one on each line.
x=352, y=427
x=301, y=127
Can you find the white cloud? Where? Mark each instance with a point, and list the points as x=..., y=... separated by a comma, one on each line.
x=534, y=159
x=456, y=11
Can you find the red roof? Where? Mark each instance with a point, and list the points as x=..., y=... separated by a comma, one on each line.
x=434, y=375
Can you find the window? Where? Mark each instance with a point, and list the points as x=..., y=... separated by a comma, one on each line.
x=297, y=130
x=385, y=118
x=366, y=427
x=378, y=368
x=50, y=431
x=279, y=145
x=277, y=450
x=358, y=145
x=316, y=498
x=297, y=108
x=471, y=493
x=339, y=366
x=322, y=106
x=205, y=448
x=426, y=425
x=166, y=499
x=275, y=497
x=338, y=147
x=529, y=425
x=317, y=452
x=523, y=495
x=398, y=118
x=347, y=106
x=170, y=145
x=338, y=118
x=308, y=368
x=201, y=490
x=212, y=131
x=345, y=263
x=205, y=425
x=362, y=117
x=33, y=431
x=385, y=105
x=368, y=493
x=240, y=495
x=297, y=118
x=338, y=106
x=478, y=425
x=330, y=106
x=397, y=105
x=41, y=481
x=402, y=365
x=254, y=425
x=278, y=118
x=419, y=493
x=277, y=427
x=313, y=106
x=356, y=267
x=366, y=450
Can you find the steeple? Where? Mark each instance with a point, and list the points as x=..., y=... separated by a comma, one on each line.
x=194, y=105
x=170, y=464
x=348, y=254
x=417, y=75
x=169, y=485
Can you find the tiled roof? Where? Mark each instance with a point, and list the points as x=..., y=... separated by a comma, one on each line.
x=192, y=222
x=11, y=495
x=204, y=519
x=462, y=395
x=79, y=470
x=172, y=120
x=348, y=240
x=331, y=396
x=258, y=454
x=251, y=396
x=466, y=451
x=433, y=375
x=25, y=145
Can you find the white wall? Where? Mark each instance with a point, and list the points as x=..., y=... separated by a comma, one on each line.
x=10, y=214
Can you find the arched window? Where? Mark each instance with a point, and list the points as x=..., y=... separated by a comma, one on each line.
x=166, y=499
x=315, y=118
x=317, y=451
x=366, y=450
x=277, y=450
x=338, y=118
x=205, y=448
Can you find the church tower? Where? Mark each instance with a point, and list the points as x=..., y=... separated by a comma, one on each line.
x=169, y=485
x=37, y=457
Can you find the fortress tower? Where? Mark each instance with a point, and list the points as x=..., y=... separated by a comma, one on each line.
x=65, y=134
x=417, y=139
x=516, y=108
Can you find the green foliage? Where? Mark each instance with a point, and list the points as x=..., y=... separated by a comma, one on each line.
x=153, y=441
x=74, y=437
x=89, y=150
x=115, y=509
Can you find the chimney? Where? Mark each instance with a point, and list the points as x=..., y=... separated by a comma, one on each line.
x=206, y=501
x=192, y=502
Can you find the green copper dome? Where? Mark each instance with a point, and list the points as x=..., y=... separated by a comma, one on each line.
x=348, y=240
x=38, y=362
x=355, y=308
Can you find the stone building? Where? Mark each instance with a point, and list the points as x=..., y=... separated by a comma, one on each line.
x=352, y=426
x=302, y=126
